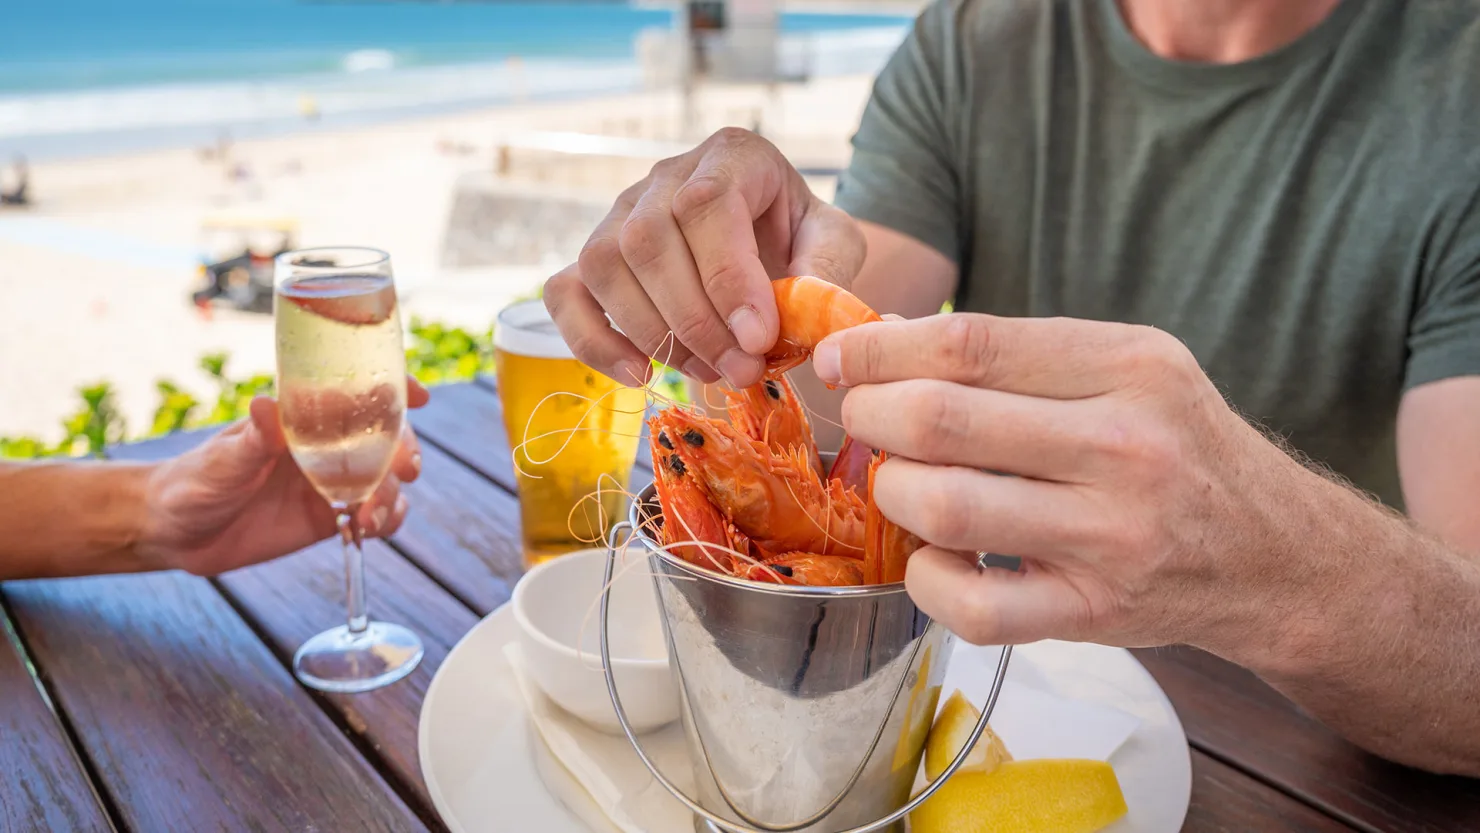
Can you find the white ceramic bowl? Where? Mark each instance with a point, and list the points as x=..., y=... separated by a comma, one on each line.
x=557, y=607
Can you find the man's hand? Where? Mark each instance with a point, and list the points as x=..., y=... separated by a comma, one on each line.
x=239, y=498
x=1146, y=511
x=683, y=263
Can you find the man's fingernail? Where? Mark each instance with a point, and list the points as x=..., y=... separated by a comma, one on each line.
x=736, y=364
x=377, y=518
x=401, y=504
x=416, y=462
x=889, y=316
x=746, y=324
x=827, y=361
x=698, y=369
x=631, y=374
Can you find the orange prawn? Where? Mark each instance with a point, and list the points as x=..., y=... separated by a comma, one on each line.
x=757, y=486
x=688, y=516
x=889, y=545
x=810, y=309
x=850, y=468
x=778, y=501
x=771, y=411
x=806, y=568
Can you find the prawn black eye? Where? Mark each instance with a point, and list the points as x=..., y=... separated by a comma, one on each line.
x=677, y=465
x=664, y=441
x=782, y=569
x=773, y=389
x=693, y=438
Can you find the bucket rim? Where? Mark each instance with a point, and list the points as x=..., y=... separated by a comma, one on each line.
x=646, y=505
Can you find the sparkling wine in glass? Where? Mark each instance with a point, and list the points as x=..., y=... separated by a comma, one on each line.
x=342, y=394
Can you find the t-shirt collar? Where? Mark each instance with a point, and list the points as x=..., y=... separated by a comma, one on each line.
x=1190, y=76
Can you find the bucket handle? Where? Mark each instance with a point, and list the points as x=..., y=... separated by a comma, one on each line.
x=725, y=824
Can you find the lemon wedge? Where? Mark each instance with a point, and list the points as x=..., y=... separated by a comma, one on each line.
x=1036, y=796
x=918, y=715
x=951, y=731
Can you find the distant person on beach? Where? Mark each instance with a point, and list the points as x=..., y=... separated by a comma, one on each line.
x=1164, y=225
x=235, y=500
x=308, y=107
x=18, y=193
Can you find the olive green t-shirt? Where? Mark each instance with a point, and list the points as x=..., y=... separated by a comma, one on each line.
x=1308, y=222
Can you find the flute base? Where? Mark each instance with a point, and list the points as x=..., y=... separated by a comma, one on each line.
x=348, y=663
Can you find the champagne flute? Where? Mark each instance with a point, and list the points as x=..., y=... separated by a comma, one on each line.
x=342, y=395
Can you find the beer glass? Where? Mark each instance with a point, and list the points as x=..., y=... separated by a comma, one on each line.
x=574, y=433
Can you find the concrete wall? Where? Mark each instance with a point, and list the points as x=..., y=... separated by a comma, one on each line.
x=497, y=224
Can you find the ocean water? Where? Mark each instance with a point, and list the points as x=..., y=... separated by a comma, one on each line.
x=82, y=76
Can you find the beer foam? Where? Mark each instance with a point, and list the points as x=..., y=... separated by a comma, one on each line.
x=526, y=329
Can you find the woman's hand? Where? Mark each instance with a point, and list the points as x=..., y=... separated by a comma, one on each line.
x=239, y=498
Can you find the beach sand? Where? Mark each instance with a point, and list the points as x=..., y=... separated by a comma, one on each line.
x=98, y=274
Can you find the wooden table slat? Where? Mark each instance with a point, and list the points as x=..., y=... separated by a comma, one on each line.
x=290, y=599
x=43, y=785
x=1224, y=799
x=1229, y=712
x=293, y=598
x=189, y=720
x=467, y=421
x=463, y=530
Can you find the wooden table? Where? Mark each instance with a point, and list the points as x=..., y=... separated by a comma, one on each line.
x=164, y=702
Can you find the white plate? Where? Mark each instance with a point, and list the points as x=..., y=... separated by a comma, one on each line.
x=488, y=770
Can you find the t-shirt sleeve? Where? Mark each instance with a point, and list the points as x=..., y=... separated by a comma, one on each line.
x=903, y=172
x=1444, y=334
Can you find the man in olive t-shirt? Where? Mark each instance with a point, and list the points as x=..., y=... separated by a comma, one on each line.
x=1285, y=190
x=1307, y=222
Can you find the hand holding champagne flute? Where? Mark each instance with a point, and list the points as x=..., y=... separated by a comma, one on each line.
x=342, y=394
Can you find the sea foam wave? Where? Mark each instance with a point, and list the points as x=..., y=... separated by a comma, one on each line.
x=177, y=105
x=372, y=82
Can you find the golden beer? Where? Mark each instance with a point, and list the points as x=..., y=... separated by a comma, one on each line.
x=574, y=433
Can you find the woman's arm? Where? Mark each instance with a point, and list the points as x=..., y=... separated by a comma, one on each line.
x=71, y=518
x=236, y=499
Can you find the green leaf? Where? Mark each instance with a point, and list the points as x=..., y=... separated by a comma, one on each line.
x=22, y=448
x=467, y=366
x=214, y=364
x=173, y=412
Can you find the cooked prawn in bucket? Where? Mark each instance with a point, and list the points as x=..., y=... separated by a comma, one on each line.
x=749, y=498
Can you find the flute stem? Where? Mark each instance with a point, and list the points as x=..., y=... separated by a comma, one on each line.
x=354, y=569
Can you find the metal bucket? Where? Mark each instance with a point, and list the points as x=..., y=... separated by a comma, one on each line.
x=804, y=708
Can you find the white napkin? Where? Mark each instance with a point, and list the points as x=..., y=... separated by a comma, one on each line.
x=607, y=766
x=1032, y=723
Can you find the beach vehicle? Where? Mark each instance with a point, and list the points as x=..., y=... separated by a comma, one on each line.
x=236, y=264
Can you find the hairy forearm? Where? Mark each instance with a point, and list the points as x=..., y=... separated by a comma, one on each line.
x=1377, y=634
x=70, y=518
